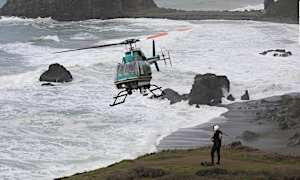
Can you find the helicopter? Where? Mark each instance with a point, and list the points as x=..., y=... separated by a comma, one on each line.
x=134, y=72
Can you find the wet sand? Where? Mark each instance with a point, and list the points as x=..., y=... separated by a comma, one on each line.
x=256, y=117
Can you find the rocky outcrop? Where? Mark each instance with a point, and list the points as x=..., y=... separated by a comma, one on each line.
x=208, y=89
x=246, y=96
x=56, y=73
x=172, y=96
x=277, y=53
x=230, y=98
x=75, y=9
x=286, y=114
x=282, y=8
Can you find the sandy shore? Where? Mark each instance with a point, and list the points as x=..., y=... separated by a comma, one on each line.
x=266, y=124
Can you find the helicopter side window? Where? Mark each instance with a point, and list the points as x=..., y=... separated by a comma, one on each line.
x=120, y=69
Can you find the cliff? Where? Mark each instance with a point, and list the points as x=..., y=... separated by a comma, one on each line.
x=75, y=9
x=282, y=9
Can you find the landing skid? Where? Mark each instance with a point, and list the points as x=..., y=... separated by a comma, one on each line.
x=123, y=94
x=154, y=88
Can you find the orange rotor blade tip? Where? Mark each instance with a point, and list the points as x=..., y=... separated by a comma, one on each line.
x=183, y=29
x=157, y=35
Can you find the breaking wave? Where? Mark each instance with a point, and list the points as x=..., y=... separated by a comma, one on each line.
x=84, y=36
x=14, y=19
x=250, y=7
x=47, y=38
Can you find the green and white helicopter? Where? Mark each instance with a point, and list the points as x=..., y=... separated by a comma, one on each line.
x=134, y=72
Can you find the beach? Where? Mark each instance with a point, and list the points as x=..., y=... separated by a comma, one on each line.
x=246, y=122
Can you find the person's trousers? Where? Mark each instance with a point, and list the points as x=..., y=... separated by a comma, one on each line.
x=216, y=147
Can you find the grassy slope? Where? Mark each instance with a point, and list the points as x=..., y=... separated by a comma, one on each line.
x=237, y=163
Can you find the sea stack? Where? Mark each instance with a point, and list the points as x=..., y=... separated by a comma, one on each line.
x=208, y=89
x=56, y=73
x=70, y=10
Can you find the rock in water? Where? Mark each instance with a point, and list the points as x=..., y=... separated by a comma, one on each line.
x=48, y=84
x=67, y=10
x=172, y=96
x=208, y=89
x=278, y=53
x=56, y=73
x=246, y=96
x=230, y=97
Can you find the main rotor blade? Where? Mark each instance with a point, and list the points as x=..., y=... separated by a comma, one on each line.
x=91, y=47
x=157, y=35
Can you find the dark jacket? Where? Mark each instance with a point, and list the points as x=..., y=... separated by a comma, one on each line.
x=217, y=138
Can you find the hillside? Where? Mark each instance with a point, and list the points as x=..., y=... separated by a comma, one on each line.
x=75, y=9
x=238, y=163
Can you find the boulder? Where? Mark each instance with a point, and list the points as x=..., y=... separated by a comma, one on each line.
x=208, y=89
x=230, y=97
x=246, y=96
x=56, y=73
x=172, y=96
x=48, y=84
x=68, y=10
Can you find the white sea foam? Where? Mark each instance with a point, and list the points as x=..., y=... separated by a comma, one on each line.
x=47, y=38
x=83, y=36
x=13, y=19
x=55, y=131
x=250, y=7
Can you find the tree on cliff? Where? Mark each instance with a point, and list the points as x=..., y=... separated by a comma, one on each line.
x=75, y=9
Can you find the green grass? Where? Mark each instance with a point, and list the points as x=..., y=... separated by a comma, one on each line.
x=238, y=163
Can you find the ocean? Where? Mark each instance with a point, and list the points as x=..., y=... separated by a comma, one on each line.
x=48, y=132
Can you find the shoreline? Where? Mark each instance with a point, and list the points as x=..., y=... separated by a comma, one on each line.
x=246, y=122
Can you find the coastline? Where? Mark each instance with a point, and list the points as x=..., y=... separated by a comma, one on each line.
x=246, y=122
x=174, y=14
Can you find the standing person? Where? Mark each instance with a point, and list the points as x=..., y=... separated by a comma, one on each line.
x=217, y=140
